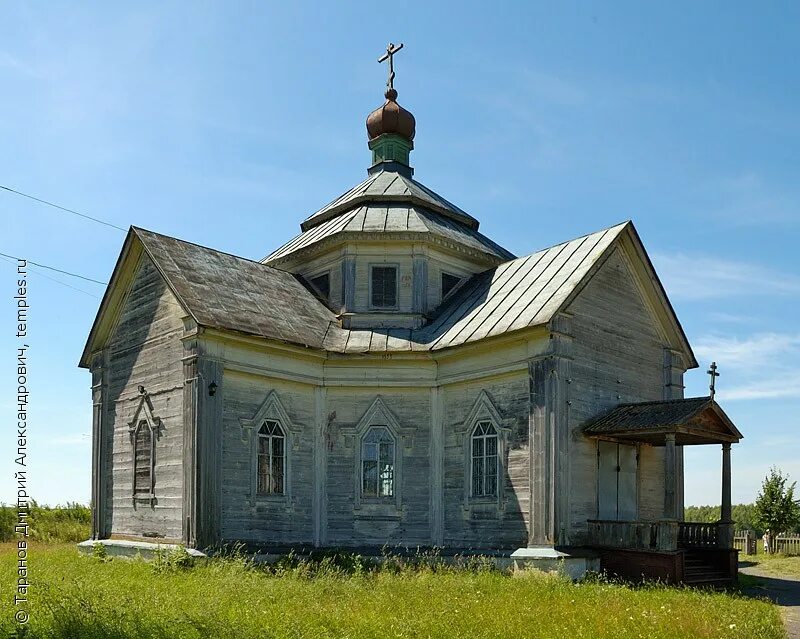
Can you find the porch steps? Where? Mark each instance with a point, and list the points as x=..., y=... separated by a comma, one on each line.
x=697, y=571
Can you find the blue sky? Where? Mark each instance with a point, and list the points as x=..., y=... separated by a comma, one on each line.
x=227, y=123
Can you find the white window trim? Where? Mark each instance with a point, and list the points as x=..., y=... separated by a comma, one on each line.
x=396, y=268
x=271, y=409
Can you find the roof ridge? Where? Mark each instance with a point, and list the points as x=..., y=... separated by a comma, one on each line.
x=137, y=229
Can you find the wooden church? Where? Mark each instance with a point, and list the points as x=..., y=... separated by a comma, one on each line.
x=392, y=377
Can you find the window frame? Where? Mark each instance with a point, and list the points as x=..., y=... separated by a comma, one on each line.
x=458, y=278
x=270, y=455
x=271, y=409
x=378, y=414
x=311, y=279
x=484, y=437
x=384, y=265
x=378, y=497
x=143, y=418
x=149, y=493
x=484, y=410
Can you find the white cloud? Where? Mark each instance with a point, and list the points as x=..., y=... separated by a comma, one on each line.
x=761, y=365
x=746, y=353
x=696, y=277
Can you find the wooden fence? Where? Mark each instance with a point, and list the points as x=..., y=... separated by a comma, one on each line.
x=787, y=544
x=745, y=542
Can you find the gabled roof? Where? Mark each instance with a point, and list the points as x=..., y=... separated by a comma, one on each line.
x=393, y=217
x=387, y=187
x=695, y=420
x=521, y=293
x=231, y=293
x=219, y=290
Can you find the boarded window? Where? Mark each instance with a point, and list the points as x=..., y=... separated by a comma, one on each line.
x=322, y=284
x=377, y=463
x=449, y=282
x=383, y=286
x=143, y=460
x=484, y=460
x=271, y=459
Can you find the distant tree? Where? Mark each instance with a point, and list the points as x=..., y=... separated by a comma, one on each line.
x=776, y=508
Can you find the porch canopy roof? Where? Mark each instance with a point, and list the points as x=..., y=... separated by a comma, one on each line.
x=695, y=420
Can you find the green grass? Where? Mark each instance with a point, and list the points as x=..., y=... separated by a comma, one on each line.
x=60, y=524
x=90, y=598
x=777, y=564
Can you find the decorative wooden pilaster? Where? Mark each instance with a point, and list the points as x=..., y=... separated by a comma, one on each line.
x=437, y=469
x=670, y=474
x=420, y=284
x=320, y=509
x=541, y=515
x=190, y=384
x=348, y=283
x=202, y=432
x=549, y=439
x=99, y=447
x=674, y=369
x=726, y=518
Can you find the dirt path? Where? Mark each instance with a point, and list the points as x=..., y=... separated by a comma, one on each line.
x=783, y=590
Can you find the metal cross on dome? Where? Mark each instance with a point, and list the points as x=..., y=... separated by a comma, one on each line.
x=714, y=374
x=391, y=49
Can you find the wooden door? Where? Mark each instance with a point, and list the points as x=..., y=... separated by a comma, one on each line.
x=616, y=481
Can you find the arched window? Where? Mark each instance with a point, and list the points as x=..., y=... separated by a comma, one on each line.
x=271, y=450
x=377, y=463
x=143, y=460
x=484, y=460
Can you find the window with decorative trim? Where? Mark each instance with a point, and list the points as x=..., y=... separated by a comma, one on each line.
x=377, y=463
x=271, y=465
x=143, y=445
x=484, y=460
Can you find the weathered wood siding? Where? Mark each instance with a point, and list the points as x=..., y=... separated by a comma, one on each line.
x=365, y=524
x=275, y=519
x=145, y=349
x=480, y=523
x=618, y=357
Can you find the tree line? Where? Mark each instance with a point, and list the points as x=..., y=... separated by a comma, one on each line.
x=775, y=509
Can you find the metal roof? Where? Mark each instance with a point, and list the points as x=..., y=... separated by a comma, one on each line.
x=232, y=293
x=393, y=217
x=387, y=187
x=518, y=294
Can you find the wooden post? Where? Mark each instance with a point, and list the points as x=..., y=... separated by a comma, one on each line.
x=437, y=468
x=670, y=474
x=726, y=518
x=99, y=444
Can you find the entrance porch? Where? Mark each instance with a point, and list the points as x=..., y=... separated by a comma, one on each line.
x=669, y=548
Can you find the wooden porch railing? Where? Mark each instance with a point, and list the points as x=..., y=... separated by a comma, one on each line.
x=659, y=535
x=698, y=535
x=634, y=535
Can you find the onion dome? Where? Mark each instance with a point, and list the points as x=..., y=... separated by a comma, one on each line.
x=391, y=118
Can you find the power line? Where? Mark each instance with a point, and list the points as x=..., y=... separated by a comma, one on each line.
x=53, y=279
x=57, y=270
x=63, y=208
